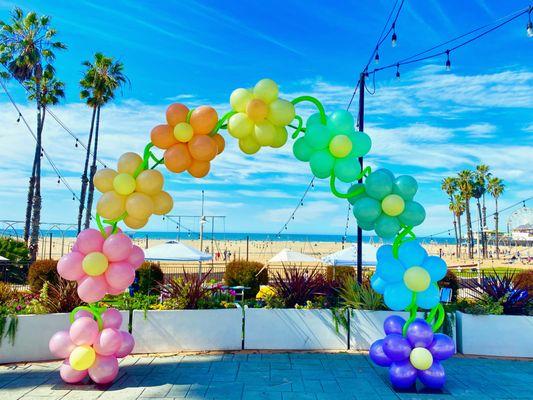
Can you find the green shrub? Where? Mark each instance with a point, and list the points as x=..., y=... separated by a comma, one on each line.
x=246, y=273
x=14, y=250
x=524, y=280
x=341, y=273
x=42, y=271
x=484, y=306
x=150, y=277
x=7, y=293
x=450, y=281
x=360, y=296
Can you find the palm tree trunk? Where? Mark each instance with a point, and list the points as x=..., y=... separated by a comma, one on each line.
x=469, y=236
x=29, y=201
x=484, y=219
x=36, y=213
x=84, y=179
x=455, y=232
x=460, y=235
x=496, y=227
x=90, y=196
x=480, y=226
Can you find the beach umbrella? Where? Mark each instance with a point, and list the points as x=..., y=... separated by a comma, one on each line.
x=348, y=256
x=290, y=256
x=3, y=259
x=175, y=251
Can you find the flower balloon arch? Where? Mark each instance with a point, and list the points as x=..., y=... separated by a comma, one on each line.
x=103, y=260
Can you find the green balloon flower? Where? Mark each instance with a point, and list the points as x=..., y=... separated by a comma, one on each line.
x=333, y=148
x=385, y=204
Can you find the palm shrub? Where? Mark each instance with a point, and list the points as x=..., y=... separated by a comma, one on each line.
x=359, y=296
x=186, y=292
x=42, y=271
x=340, y=274
x=246, y=273
x=7, y=293
x=60, y=297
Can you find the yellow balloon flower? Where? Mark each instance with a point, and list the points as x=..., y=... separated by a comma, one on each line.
x=82, y=358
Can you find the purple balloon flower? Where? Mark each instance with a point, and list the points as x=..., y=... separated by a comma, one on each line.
x=394, y=351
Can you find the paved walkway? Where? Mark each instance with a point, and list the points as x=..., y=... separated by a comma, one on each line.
x=313, y=376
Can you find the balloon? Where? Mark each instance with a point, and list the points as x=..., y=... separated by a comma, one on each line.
x=249, y=145
x=281, y=112
x=264, y=133
x=203, y=120
x=150, y=182
x=175, y=114
x=419, y=333
x=111, y=205
x=317, y=136
x=128, y=343
x=378, y=355
x=393, y=324
x=163, y=203
x=315, y=118
x=92, y=288
x=104, y=370
x=397, y=297
x=405, y=186
x=356, y=187
x=347, y=169
x=393, y=205
x=89, y=240
x=386, y=227
x=120, y=275
x=257, y=110
x=413, y=214
x=124, y=184
x=135, y=223
x=302, y=151
x=396, y=347
x=280, y=138
x=266, y=90
x=128, y=163
x=402, y=374
x=239, y=99
x=442, y=346
x=108, y=342
x=361, y=144
x=83, y=313
x=82, y=357
x=421, y=358
x=342, y=122
x=136, y=257
x=162, y=136
x=103, y=179
x=366, y=209
x=94, y=263
x=416, y=279
x=378, y=284
x=219, y=140
x=429, y=298
x=240, y=125
x=117, y=247
x=411, y=253
x=115, y=292
x=69, y=374
x=322, y=163
x=199, y=169
x=70, y=266
x=139, y=205
x=60, y=344
x=202, y=148
x=436, y=267
x=434, y=377
x=390, y=269
x=112, y=318
x=340, y=146
x=177, y=158
x=384, y=251
x=379, y=184
x=83, y=331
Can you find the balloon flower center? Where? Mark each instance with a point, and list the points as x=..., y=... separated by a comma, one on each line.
x=416, y=279
x=340, y=146
x=95, y=263
x=393, y=205
x=124, y=184
x=421, y=358
x=257, y=110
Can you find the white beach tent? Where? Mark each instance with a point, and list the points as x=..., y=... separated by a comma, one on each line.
x=3, y=259
x=348, y=256
x=290, y=256
x=175, y=251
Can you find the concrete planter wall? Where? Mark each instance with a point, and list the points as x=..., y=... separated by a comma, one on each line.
x=292, y=329
x=495, y=335
x=33, y=334
x=177, y=330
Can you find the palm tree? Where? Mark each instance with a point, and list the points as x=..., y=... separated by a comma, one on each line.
x=102, y=78
x=465, y=183
x=482, y=175
x=496, y=187
x=457, y=206
x=27, y=46
x=449, y=186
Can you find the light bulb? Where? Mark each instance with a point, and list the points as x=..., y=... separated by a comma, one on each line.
x=398, y=71
x=529, y=29
x=376, y=58
x=448, y=63
x=394, y=39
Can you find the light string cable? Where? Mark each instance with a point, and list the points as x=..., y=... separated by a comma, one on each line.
x=179, y=225
x=300, y=204
x=48, y=158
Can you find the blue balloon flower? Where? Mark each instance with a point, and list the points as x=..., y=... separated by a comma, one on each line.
x=412, y=272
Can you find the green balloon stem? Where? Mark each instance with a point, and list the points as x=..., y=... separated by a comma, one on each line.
x=316, y=102
x=365, y=172
x=299, y=128
x=407, y=230
x=94, y=310
x=188, y=118
x=439, y=313
x=100, y=225
x=412, y=308
x=221, y=121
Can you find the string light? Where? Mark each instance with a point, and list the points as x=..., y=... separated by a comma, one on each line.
x=394, y=38
x=398, y=71
x=376, y=57
x=529, y=26
x=448, y=63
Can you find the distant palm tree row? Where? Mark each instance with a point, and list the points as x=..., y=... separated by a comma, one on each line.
x=27, y=51
x=463, y=187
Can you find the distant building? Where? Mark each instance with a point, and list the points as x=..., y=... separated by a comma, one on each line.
x=523, y=233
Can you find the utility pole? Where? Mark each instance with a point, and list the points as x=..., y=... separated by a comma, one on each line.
x=202, y=222
x=247, y=246
x=361, y=126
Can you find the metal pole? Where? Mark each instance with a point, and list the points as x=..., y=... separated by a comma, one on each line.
x=361, y=126
x=146, y=241
x=179, y=228
x=201, y=235
x=212, y=240
x=50, y=248
x=247, y=246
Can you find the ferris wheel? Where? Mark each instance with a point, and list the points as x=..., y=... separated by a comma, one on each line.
x=521, y=218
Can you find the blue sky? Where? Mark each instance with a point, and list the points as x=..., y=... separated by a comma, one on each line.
x=429, y=124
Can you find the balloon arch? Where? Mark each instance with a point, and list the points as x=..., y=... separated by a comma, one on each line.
x=103, y=260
